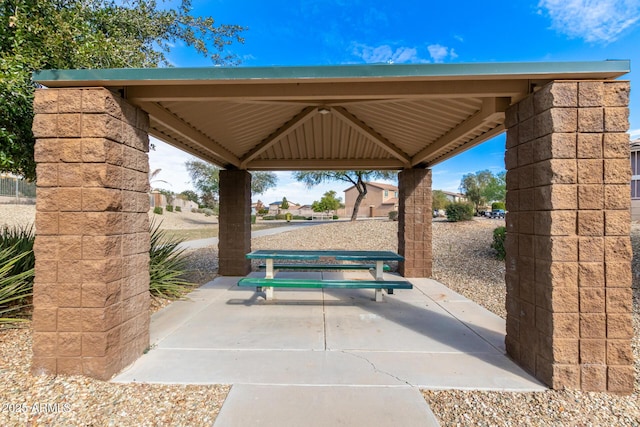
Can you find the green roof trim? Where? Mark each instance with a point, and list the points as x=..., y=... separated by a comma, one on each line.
x=50, y=77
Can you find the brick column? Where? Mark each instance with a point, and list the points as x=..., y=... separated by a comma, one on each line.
x=91, y=291
x=414, y=222
x=568, y=272
x=234, y=239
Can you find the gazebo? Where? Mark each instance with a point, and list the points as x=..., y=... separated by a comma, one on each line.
x=569, y=298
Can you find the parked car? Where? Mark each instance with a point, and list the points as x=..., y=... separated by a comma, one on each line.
x=498, y=213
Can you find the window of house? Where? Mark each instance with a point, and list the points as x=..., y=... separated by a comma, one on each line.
x=395, y=194
x=386, y=193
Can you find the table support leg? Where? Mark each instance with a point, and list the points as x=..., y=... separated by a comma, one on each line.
x=379, y=270
x=269, y=275
x=379, y=295
x=268, y=293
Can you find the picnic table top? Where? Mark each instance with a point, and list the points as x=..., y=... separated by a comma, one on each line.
x=317, y=254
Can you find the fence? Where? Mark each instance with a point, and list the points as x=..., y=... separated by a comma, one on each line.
x=14, y=189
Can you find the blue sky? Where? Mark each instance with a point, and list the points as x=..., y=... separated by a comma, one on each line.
x=332, y=32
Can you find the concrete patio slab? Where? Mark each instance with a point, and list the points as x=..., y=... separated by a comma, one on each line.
x=266, y=406
x=325, y=346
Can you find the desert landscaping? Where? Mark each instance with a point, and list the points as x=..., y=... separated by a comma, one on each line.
x=463, y=260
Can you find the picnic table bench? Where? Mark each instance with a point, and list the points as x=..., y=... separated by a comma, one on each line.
x=369, y=260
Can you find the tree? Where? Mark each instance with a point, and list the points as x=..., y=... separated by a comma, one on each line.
x=285, y=204
x=190, y=195
x=357, y=178
x=439, y=200
x=328, y=202
x=206, y=179
x=482, y=187
x=54, y=34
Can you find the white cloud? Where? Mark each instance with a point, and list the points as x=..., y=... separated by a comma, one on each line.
x=386, y=54
x=439, y=53
x=170, y=161
x=634, y=134
x=592, y=20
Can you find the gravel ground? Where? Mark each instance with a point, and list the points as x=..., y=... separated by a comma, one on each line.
x=479, y=278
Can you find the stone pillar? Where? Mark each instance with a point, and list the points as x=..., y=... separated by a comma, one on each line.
x=234, y=239
x=414, y=222
x=568, y=272
x=91, y=291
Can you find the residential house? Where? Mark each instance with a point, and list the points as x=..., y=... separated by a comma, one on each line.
x=455, y=197
x=275, y=208
x=635, y=180
x=379, y=201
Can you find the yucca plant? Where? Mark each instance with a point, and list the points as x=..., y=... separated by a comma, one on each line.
x=20, y=239
x=167, y=265
x=15, y=289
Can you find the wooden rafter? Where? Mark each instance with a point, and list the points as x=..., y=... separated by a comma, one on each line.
x=283, y=131
x=492, y=109
x=357, y=124
x=185, y=130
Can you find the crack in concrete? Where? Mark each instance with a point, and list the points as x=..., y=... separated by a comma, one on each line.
x=375, y=368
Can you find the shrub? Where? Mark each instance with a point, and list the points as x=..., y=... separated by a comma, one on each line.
x=497, y=205
x=207, y=212
x=335, y=217
x=460, y=211
x=16, y=272
x=15, y=289
x=253, y=219
x=393, y=215
x=178, y=209
x=499, y=235
x=157, y=210
x=194, y=210
x=167, y=265
x=20, y=239
x=169, y=208
x=268, y=217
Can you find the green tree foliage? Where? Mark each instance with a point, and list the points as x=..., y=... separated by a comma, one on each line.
x=357, y=178
x=285, y=204
x=328, y=202
x=483, y=187
x=206, y=179
x=190, y=195
x=439, y=200
x=55, y=34
x=499, y=236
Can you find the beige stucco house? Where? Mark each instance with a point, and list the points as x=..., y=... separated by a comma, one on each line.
x=379, y=201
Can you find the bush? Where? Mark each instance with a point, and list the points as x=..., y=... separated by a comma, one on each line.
x=207, y=211
x=335, y=217
x=497, y=206
x=169, y=208
x=253, y=219
x=499, y=235
x=268, y=218
x=167, y=265
x=157, y=210
x=393, y=215
x=16, y=272
x=20, y=239
x=178, y=209
x=15, y=289
x=460, y=211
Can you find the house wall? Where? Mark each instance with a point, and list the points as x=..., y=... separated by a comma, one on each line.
x=375, y=197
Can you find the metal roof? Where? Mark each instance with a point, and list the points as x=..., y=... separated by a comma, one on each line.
x=382, y=116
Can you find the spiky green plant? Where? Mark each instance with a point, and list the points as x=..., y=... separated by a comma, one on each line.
x=20, y=239
x=15, y=289
x=167, y=266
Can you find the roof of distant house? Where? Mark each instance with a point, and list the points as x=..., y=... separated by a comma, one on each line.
x=380, y=185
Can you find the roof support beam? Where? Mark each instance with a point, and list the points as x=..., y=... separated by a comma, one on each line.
x=166, y=118
x=333, y=91
x=327, y=164
x=351, y=120
x=470, y=144
x=492, y=110
x=283, y=131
